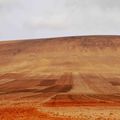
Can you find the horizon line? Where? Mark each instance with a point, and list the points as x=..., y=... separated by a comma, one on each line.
x=67, y=36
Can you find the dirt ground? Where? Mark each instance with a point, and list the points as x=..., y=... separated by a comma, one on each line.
x=30, y=113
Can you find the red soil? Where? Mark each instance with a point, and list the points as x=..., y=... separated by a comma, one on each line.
x=25, y=113
x=83, y=100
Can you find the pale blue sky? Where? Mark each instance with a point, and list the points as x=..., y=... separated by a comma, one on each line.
x=20, y=19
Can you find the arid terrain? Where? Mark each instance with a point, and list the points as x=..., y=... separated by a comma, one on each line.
x=68, y=78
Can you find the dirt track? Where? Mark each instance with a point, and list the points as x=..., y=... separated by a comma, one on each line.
x=66, y=90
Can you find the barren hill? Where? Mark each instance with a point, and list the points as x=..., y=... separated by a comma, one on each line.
x=69, y=54
x=62, y=71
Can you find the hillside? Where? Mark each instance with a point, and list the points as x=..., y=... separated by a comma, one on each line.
x=70, y=54
x=61, y=72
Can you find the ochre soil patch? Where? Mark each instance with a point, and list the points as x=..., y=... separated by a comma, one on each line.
x=29, y=113
x=26, y=113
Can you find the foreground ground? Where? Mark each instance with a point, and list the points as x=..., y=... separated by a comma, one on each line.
x=30, y=113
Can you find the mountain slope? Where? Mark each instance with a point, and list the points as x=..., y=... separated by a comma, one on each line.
x=62, y=71
x=83, y=54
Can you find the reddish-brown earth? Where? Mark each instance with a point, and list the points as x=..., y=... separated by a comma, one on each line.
x=26, y=113
x=60, y=73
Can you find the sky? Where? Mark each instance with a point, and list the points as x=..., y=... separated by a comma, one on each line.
x=22, y=19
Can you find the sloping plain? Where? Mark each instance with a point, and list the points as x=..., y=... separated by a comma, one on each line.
x=61, y=72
